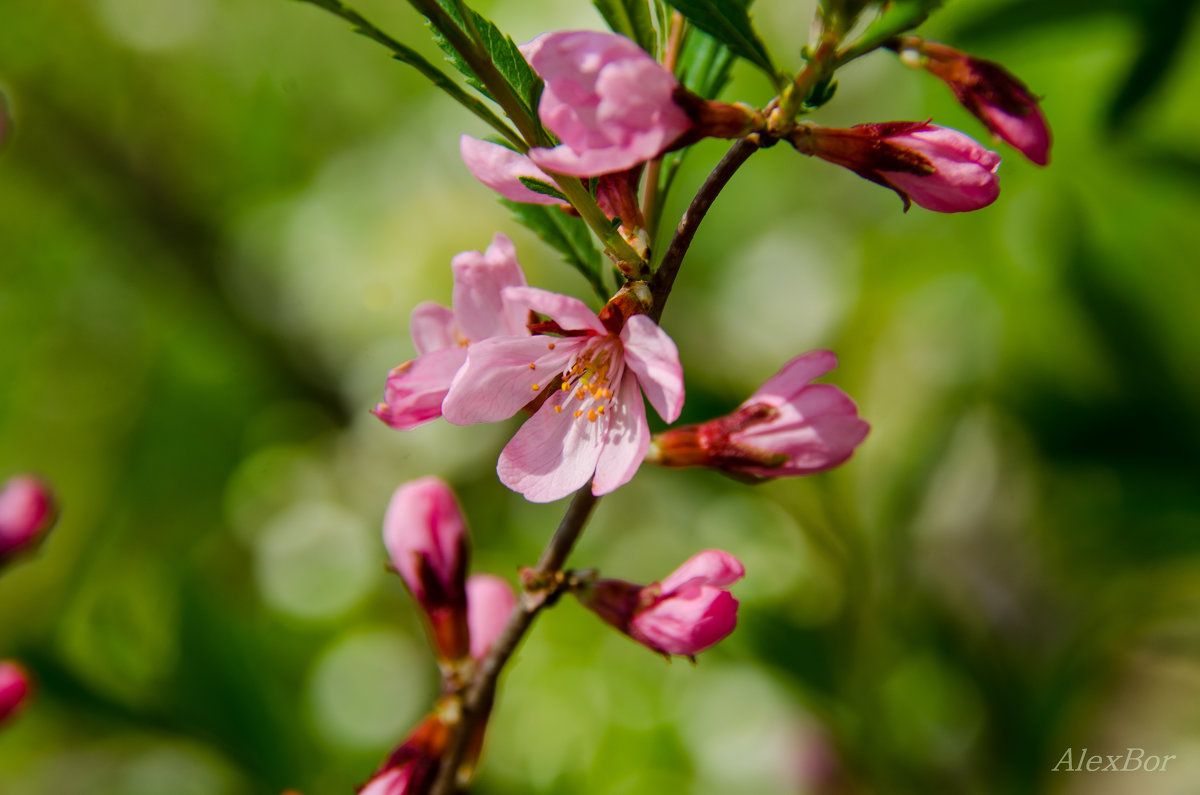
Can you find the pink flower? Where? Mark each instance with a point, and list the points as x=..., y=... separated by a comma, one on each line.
x=26, y=513
x=938, y=168
x=593, y=421
x=610, y=103
x=490, y=602
x=426, y=538
x=414, y=391
x=990, y=92
x=788, y=427
x=501, y=169
x=412, y=767
x=14, y=689
x=686, y=613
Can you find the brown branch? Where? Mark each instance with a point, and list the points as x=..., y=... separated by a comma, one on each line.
x=664, y=277
x=477, y=699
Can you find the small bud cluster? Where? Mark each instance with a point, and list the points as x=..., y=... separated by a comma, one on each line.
x=27, y=512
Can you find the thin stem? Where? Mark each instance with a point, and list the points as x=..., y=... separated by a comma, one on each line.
x=664, y=277
x=650, y=202
x=628, y=260
x=477, y=699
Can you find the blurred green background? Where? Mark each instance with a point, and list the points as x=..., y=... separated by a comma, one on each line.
x=215, y=217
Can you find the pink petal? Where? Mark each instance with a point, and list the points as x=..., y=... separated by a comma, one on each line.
x=415, y=390
x=1030, y=133
x=626, y=441
x=14, y=689
x=423, y=525
x=432, y=327
x=490, y=602
x=393, y=781
x=965, y=176
x=569, y=313
x=552, y=454
x=710, y=567
x=590, y=162
x=653, y=357
x=501, y=169
x=497, y=381
x=479, y=308
x=795, y=375
x=689, y=623
x=817, y=429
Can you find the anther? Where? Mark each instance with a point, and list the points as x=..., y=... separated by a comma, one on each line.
x=558, y=409
x=535, y=387
x=578, y=414
x=591, y=415
x=550, y=346
x=532, y=366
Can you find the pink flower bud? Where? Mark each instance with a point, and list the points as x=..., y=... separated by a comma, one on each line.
x=412, y=767
x=610, y=103
x=686, y=613
x=788, y=427
x=426, y=537
x=938, y=168
x=15, y=688
x=990, y=92
x=490, y=602
x=26, y=513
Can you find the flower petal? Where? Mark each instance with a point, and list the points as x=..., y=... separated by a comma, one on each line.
x=626, y=441
x=497, y=380
x=432, y=327
x=415, y=390
x=794, y=376
x=653, y=357
x=553, y=454
x=710, y=567
x=501, y=169
x=490, y=602
x=817, y=429
x=687, y=624
x=569, y=313
x=479, y=279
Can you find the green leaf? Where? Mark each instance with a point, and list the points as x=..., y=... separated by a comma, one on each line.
x=566, y=233
x=703, y=64
x=511, y=65
x=630, y=18
x=544, y=188
x=728, y=22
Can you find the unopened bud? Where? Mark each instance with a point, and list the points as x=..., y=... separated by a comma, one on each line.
x=787, y=427
x=26, y=512
x=15, y=688
x=938, y=168
x=686, y=613
x=490, y=602
x=426, y=538
x=990, y=92
x=413, y=766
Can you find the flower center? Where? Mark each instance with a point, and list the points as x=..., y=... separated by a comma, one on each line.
x=591, y=379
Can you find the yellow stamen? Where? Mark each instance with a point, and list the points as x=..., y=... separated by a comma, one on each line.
x=535, y=387
x=532, y=366
x=558, y=409
x=600, y=409
x=578, y=414
x=550, y=346
x=591, y=415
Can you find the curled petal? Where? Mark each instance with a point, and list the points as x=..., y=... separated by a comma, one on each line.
x=688, y=623
x=794, y=376
x=501, y=169
x=490, y=602
x=653, y=357
x=415, y=390
x=432, y=328
x=711, y=567
x=480, y=309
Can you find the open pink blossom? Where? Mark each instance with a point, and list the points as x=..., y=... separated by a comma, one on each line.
x=593, y=423
x=26, y=513
x=14, y=689
x=490, y=602
x=686, y=613
x=610, y=103
x=990, y=92
x=414, y=390
x=936, y=167
x=787, y=427
x=426, y=539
